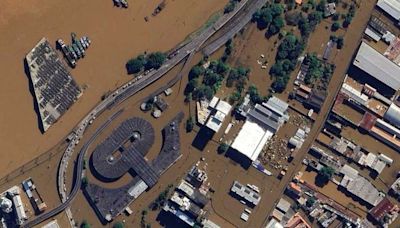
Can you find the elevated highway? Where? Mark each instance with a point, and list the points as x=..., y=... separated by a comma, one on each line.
x=129, y=89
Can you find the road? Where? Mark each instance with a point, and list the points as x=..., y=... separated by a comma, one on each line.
x=120, y=95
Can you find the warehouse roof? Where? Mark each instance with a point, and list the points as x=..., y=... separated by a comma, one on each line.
x=393, y=114
x=391, y=7
x=378, y=66
x=251, y=139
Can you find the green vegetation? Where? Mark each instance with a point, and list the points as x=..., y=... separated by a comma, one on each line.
x=310, y=202
x=160, y=201
x=189, y=124
x=286, y=58
x=84, y=163
x=324, y=175
x=85, y=224
x=146, y=62
x=317, y=71
x=118, y=225
x=335, y=26
x=349, y=16
x=269, y=17
x=143, y=219
x=230, y=6
x=340, y=42
x=255, y=97
x=222, y=148
x=228, y=50
x=211, y=80
x=84, y=182
x=307, y=24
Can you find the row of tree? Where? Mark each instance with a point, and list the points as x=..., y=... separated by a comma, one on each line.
x=289, y=51
x=145, y=62
x=230, y=6
x=317, y=70
x=270, y=17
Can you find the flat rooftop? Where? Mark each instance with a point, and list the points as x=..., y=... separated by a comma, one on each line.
x=378, y=66
x=251, y=140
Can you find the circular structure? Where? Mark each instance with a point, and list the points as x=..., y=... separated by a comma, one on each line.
x=119, y=151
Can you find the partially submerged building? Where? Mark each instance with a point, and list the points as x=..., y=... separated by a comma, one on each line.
x=262, y=122
x=385, y=213
x=55, y=89
x=245, y=193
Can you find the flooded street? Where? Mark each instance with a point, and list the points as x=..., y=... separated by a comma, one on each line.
x=117, y=35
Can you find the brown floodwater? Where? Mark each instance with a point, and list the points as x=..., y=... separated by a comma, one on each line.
x=116, y=34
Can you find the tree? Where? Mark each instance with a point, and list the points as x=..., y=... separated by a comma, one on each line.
x=191, y=86
x=340, y=42
x=230, y=6
x=347, y=21
x=85, y=182
x=263, y=18
x=118, y=225
x=325, y=174
x=335, y=26
x=235, y=96
x=255, y=97
x=85, y=224
x=222, y=148
x=189, y=124
x=155, y=60
x=135, y=65
x=310, y=202
x=196, y=71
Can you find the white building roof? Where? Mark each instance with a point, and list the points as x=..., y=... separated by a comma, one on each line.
x=378, y=66
x=391, y=7
x=273, y=223
x=215, y=121
x=223, y=107
x=283, y=205
x=213, y=102
x=349, y=171
x=52, y=224
x=371, y=33
x=393, y=115
x=251, y=139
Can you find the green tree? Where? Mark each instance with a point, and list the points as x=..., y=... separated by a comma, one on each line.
x=325, y=174
x=85, y=224
x=135, y=65
x=155, y=60
x=230, y=6
x=118, y=225
x=340, y=42
x=335, y=26
x=196, y=71
x=222, y=148
x=347, y=21
x=310, y=202
x=191, y=86
x=263, y=18
x=189, y=124
x=85, y=182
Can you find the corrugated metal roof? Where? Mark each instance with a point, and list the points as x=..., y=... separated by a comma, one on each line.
x=392, y=7
x=378, y=66
x=393, y=115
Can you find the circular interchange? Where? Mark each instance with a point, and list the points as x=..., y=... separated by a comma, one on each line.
x=114, y=157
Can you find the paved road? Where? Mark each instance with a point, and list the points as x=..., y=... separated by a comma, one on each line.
x=120, y=95
x=78, y=180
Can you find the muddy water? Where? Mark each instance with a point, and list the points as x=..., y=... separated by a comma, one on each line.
x=117, y=35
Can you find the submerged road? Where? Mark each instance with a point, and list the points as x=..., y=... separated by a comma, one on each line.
x=124, y=92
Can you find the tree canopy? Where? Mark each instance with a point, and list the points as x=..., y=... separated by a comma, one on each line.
x=325, y=174
x=155, y=60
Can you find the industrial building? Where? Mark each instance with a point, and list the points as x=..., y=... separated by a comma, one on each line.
x=262, y=122
x=55, y=89
x=391, y=7
x=361, y=188
x=245, y=193
x=219, y=110
x=378, y=66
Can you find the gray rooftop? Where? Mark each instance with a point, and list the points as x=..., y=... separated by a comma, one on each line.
x=378, y=66
x=246, y=193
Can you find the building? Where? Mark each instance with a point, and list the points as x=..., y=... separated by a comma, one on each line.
x=196, y=177
x=297, y=222
x=55, y=89
x=330, y=9
x=391, y=7
x=219, y=110
x=245, y=193
x=378, y=66
x=395, y=188
x=251, y=140
x=392, y=115
x=193, y=193
x=362, y=189
x=385, y=212
x=263, y=121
